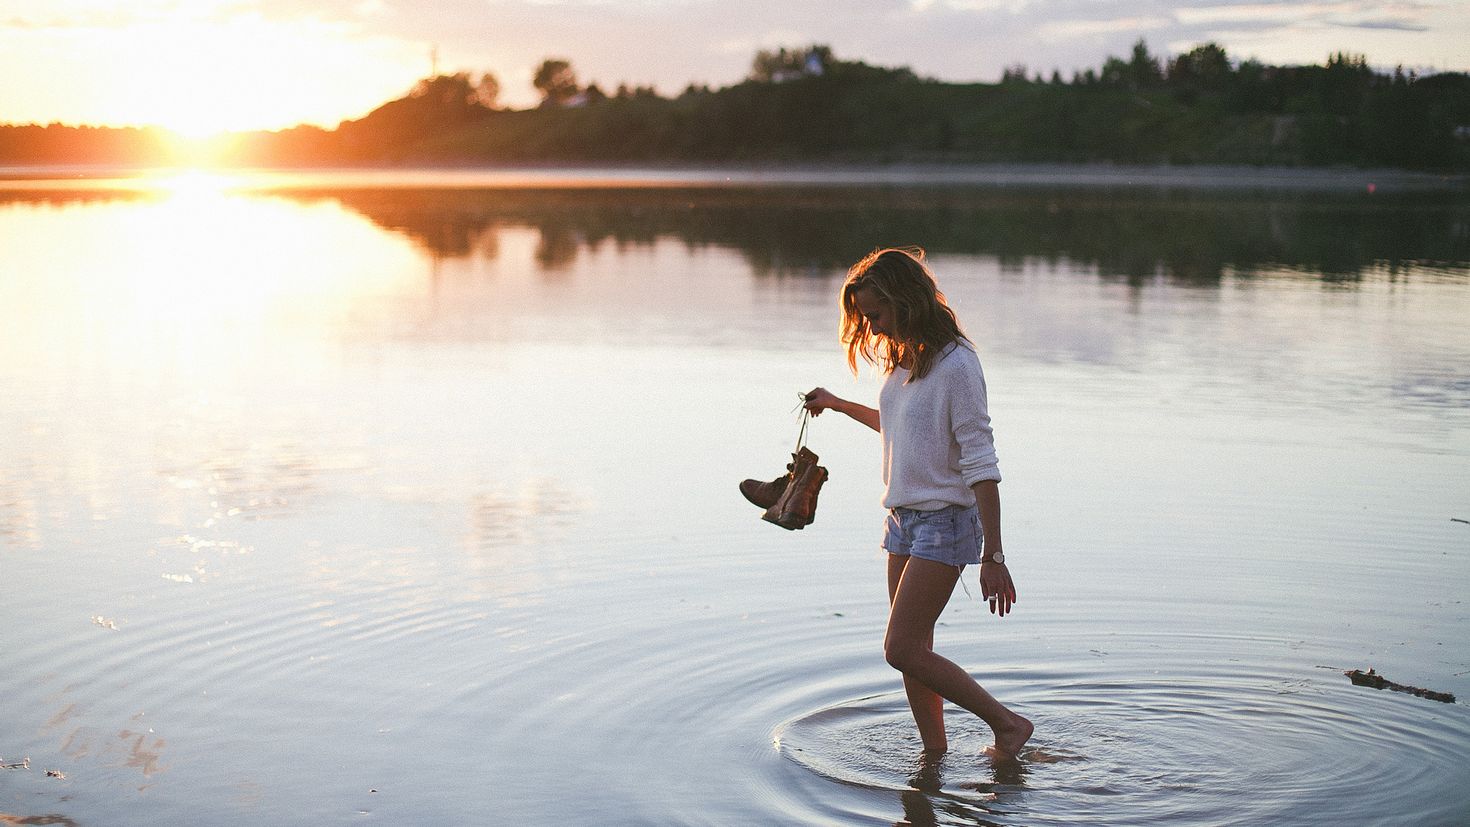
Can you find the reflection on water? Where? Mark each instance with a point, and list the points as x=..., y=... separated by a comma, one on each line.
x=1131, y=235
x=1135, y=235
x=543, y=508
x=419, y=503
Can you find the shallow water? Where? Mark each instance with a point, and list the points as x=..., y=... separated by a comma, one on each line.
x=417, y=505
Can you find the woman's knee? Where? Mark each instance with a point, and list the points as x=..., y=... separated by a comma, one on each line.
x=901, y=653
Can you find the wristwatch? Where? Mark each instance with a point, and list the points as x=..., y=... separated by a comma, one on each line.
x=998, y=557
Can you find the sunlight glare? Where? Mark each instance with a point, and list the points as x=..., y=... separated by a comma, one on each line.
x=197, y=282
x=203, y=73
x=193, y=184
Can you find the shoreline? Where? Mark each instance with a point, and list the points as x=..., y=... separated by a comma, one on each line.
x=590, y=176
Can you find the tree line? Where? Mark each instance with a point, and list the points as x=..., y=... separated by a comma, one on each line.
x=806, y=105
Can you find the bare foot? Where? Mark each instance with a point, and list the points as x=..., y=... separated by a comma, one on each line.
x=1010, y=738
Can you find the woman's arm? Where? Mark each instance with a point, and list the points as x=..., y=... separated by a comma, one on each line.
x=995, y=579
x=987, y=497
x=820, y=399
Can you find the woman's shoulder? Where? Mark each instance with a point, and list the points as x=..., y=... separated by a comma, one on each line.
x=957, y=357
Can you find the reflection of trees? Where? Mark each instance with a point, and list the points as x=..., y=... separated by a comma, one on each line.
x=1131, y=235
x=51, y=197
x=558, y=248
x=1134, y=235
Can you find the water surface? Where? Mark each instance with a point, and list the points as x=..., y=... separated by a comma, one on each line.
x=417, y=504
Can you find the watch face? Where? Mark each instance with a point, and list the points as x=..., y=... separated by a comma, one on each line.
x=998, y=557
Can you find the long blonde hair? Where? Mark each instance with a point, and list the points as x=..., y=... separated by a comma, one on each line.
x=923, y=323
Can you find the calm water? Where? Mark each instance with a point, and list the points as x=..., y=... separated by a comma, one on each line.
x=416, y=505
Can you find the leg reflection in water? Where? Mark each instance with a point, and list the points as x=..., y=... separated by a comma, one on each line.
x=923, y=804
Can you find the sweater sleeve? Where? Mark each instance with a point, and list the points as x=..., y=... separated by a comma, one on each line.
x=969, y=420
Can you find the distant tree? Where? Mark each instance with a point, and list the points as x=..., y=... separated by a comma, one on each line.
x=487, y=91
x=1203, y=70
x=1014, y=74
x=1140, y=71
x=1250, y=90
x=435, y=105
x=556, y=82
x=450, y=90
x=1143, y=68
x=1205, y=65
x=1347, y=61
x=1343, y=84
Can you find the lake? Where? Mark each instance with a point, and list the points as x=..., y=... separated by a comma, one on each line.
x=335, y=500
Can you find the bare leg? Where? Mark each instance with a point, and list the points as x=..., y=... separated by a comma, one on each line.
x=923, y=590
x=927, y=706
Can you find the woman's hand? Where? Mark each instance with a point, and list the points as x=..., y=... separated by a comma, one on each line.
x=820, y=399
x=997, y=587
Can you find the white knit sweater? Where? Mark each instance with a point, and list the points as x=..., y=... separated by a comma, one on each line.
x=937, y=440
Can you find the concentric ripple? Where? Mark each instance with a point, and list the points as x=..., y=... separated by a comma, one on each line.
x=1235, y=746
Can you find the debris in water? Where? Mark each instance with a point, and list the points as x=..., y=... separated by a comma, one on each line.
x=23, y=764
x=1377, y=681
x=55, y=774
x=104, y=622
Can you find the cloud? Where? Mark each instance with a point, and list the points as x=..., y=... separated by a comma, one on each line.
x=1394, y=25
x=1330, y=13
x=1073, y=29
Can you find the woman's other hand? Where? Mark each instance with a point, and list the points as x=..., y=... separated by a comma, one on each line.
x=997, y=587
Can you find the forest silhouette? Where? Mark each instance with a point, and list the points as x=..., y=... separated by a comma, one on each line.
x=805, y=105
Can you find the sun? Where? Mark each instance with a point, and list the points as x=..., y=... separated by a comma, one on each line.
x=199, y=73
x=193, y=128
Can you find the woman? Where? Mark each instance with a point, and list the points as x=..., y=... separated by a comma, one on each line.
x=940, y=475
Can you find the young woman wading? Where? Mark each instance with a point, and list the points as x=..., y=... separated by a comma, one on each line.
x=940, y=477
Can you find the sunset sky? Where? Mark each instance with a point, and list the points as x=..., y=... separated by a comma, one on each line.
x=204, y=65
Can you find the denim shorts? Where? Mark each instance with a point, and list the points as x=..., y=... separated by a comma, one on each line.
x=951, y=535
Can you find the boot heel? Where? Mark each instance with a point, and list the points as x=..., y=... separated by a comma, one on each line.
x=775, y=518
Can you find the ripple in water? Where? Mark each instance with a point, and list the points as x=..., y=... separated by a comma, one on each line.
x=1243, y=748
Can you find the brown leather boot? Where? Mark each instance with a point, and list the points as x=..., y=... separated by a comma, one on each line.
x=797, y=507
x=765, y=494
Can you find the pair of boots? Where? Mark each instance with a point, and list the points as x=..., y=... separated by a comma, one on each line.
x=790, y=501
